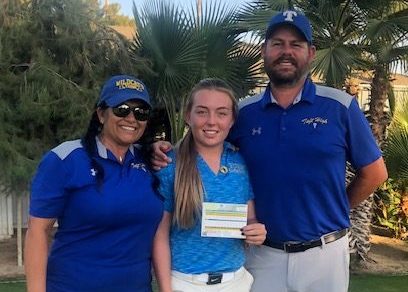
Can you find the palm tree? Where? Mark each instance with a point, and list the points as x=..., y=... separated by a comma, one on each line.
x=165, y=38
x=182, y=50
x=385, y=41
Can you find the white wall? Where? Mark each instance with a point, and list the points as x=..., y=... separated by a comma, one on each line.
x=6, y=215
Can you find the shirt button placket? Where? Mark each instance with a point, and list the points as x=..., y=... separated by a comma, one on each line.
x=283, y=128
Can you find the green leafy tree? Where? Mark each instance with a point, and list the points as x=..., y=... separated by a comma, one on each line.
x=54, y=55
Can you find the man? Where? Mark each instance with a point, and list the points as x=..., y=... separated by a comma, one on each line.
x=296, y=138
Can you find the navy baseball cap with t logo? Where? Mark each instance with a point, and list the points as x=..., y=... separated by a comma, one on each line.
x=290, y=17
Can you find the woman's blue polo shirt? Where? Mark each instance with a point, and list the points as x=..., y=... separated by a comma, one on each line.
x=105, y=232
x=191, y=253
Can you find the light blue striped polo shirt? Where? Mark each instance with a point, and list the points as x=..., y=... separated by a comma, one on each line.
x=191, y=253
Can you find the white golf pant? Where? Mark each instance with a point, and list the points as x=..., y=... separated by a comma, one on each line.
x=239, y=281
x=320, y=269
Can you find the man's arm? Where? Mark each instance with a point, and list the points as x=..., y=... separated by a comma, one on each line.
x=366, y=181
x=159, y=159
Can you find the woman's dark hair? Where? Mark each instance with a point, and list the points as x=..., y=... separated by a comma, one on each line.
x=89, y=143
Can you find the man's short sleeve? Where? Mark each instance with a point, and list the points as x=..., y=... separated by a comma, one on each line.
x=363, y=148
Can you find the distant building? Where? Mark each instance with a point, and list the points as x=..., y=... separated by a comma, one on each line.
x=361, y=88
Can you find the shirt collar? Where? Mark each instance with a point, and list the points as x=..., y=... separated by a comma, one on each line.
x=295, y=101
x=306, y=94
x=228, y=146
x=103, y=152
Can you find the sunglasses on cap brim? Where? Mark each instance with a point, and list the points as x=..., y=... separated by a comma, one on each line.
x=139, y=112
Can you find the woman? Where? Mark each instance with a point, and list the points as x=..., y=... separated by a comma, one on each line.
x=204, y=169
x=101, y=193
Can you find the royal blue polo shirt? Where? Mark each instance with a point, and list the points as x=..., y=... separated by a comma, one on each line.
x=190, y=252
x=105, y=232
x=296, y=158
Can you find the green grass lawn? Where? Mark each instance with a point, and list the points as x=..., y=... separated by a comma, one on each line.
x=363, y=283
x=377, y=283
x=11, y=286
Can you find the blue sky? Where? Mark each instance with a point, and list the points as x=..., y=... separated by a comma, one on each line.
x=127, y=5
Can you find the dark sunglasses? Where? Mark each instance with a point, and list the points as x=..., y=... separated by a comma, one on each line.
x=123, y=110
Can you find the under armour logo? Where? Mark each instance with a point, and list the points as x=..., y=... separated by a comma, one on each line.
x=141, y=166
x=289, y=15
x=93, y=171
x=256, y=131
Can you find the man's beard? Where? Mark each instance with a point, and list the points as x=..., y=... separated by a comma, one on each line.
x=285, y=79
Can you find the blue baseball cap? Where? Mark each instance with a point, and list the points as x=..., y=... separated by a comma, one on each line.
x=121, y=88
x=290, y=17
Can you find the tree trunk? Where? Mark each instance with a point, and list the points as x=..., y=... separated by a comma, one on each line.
x=360, y=231
x=360, y=217
x=378, y=118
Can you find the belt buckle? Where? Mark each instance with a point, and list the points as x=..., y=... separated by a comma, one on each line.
x=214, y=278
x=288, y=245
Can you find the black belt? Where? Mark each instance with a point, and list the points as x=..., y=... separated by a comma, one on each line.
x=293, y=246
